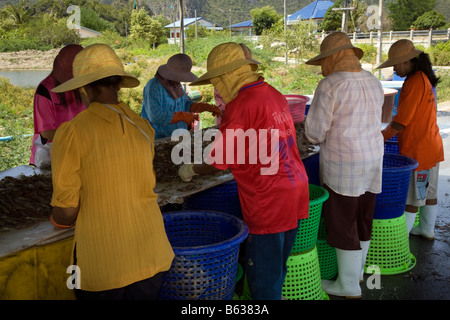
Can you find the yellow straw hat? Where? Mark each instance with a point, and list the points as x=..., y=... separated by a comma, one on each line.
x=224, y=58
x=334, y=43
x=401, y=51
x=93, y=63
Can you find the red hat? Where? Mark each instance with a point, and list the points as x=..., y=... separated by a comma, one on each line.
x=62, y=65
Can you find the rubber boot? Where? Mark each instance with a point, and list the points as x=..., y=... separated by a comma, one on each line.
x=349, y=274
x=427, y=219
x=410, y=219
x=364, y=248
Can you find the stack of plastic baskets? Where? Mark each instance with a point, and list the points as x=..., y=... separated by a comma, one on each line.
x=223, y=198
x=327, y=254
x=303, y=280
x=397, y=169
x=206, y=246
x=389, y=246
x=308, y=228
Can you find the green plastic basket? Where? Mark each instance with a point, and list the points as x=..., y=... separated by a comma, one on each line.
x=308, y=228
x=389, y=247
x=303, y=280
x=327, y=259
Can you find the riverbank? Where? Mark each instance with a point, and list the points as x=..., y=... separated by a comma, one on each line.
x=28, y=60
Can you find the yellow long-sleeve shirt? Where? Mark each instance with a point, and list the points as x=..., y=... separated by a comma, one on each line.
x=104, y=162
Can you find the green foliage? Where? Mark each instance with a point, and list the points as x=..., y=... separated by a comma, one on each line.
x=403, y=13
x=90, y=19
x=332, y=19
x=144, y=29
x=430, y=20
x=264, y=18
x=440, y=54
x=16, y=120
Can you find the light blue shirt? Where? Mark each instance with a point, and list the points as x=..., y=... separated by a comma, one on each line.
x=158, y=108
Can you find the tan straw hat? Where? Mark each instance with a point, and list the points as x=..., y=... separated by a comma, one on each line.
x=401, y=51
x=334, y=43
x=224, y=58
x=178, y=68
x=93, y=63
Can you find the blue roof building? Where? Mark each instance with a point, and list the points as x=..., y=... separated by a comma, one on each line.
x=315, y=10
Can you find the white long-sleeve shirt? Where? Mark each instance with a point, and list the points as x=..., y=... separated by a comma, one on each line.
x=345, y=119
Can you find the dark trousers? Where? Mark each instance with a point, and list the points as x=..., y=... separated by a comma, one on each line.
x=348, y=220
x=266, y=268
x=147, y=289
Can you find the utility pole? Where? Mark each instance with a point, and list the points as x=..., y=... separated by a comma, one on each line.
x=380, y=36
x=181, y=27
x=285, y=34
x=345, y=11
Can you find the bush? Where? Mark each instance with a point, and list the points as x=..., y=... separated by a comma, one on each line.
x=440, y=54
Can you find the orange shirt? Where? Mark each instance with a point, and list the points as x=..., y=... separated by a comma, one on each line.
x=420, y=139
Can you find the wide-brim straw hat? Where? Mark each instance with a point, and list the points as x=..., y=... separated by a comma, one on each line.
x=93, y=63
x=224, y=58
x=401, y=51
x=178, y=68
x=334, y=43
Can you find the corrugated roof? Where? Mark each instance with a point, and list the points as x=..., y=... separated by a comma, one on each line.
x=245, y=24
x=314, y=10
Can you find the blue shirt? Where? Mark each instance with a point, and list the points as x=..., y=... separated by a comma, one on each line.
x=159, y=106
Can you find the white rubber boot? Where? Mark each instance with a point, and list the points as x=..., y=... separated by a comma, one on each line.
x=349, y=274
x=410, y=219
x=364, y=248
x=427, y=220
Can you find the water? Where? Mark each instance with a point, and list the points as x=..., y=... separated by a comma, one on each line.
x=25, y=78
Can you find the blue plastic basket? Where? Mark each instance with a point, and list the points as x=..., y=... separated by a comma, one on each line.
x=206, y=246
x=391, y=147
x=222, y=198
x=397, y=170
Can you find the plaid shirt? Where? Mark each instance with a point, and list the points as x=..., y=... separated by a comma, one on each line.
x=345, y=119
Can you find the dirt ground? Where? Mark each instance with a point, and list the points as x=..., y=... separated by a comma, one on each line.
x=28, y=60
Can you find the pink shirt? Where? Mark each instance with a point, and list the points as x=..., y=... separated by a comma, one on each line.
x=49, y=111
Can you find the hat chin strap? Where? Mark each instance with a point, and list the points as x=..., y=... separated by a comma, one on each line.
x=231, y=82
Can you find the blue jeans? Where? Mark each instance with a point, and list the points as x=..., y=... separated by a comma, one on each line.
x=266, y=256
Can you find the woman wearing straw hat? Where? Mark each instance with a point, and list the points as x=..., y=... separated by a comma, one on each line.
x=103, y=178
x=418, y=133
x=272, y=199
x=51, y=109
x=345, y=119
x=166, y=105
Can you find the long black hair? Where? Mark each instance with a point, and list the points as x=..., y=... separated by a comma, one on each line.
x=422, y=63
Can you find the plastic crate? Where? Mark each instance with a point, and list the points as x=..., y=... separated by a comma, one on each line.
x=206, y=246
x=397, y=170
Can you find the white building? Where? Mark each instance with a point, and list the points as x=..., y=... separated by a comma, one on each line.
x=187, y=22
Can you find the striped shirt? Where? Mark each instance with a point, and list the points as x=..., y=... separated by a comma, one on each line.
x=345, y=119
x=103, y=162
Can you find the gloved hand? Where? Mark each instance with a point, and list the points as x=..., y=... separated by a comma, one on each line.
x=202, y=107
x=186, y=172
x=186, y=117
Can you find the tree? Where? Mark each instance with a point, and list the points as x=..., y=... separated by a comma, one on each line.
x=430, y=20
x=264, y=18
x=403, y=13
x=144, y=28
x=333, y=19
